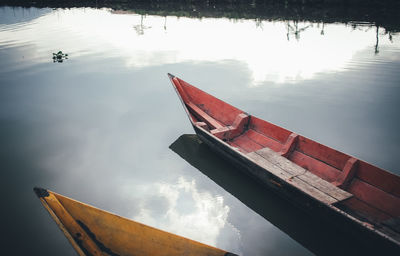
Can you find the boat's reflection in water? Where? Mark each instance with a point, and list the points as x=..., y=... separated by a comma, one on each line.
x=317, y=235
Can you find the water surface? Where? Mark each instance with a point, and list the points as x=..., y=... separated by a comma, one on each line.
x=104, y=126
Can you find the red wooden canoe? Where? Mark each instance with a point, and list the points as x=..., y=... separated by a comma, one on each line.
x=345, y=189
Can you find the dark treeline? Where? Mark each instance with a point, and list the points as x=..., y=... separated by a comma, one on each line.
x=383, y=13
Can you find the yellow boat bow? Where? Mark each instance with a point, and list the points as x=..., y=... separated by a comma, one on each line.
x=92, y=231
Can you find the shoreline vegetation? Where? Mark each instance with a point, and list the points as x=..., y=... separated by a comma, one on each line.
x=382, y=14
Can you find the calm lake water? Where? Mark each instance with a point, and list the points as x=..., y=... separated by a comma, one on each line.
x=105, y=126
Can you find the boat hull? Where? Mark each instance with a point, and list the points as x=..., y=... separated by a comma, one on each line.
x=92, y=231
x=313, y=176
x=362, y=230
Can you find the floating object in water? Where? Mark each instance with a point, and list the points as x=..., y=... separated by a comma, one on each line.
x=59, y=57
x=357, y=195
x=92, y=231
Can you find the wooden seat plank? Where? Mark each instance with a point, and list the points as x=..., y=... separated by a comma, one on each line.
x=281, y=161
x=204, y=116
x=275, y=170
x=299, y=176
x=293, y=180
x=325, y=186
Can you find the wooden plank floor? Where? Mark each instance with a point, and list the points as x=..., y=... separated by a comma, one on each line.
x=299, y=177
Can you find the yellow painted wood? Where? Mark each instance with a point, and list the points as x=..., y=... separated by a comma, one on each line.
x=104, y=233
x=71, y=226
x=63, y=229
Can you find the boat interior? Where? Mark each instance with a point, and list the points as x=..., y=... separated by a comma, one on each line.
x=362, y=190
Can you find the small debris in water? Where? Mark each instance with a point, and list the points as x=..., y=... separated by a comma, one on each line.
x=59, y=57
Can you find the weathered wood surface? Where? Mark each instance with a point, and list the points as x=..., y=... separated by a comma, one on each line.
x=292, y=163
x=394, y=224
x=298, y=176
x=204, y=116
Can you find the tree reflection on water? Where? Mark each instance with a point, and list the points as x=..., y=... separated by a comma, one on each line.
x=360, y=15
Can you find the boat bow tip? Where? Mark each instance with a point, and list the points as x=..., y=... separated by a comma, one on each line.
x=171, y=76
x=41, y=192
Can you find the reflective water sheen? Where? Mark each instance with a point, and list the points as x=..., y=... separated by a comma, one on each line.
x=104, y=126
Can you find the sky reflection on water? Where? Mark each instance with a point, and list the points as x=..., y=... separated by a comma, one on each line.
x=97, y=127
x=269, y=50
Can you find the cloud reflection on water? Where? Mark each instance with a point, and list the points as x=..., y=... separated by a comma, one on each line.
x=97, y=127
x=188, y=211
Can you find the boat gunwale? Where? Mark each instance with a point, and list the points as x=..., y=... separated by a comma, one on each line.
x=188, y=112
x=80, y=249
x=370, y=224
x=365, y=225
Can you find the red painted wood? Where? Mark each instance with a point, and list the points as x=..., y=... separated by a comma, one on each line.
x=348, y=173
x=379, y=178
x=270, y=130
x=263, y=140
x=238, y=126
x=202, y=125
x=376, y=192
x=290, y=145
x=214, y=107
x=181, y=91
x=232, y=131
x=375, y=197
x=233, y=144
x=366, y=211
x=240, y=121
x=247, y=144
x=319, y=168
x=323, y=153
x=221, y=133
x=203, y=116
